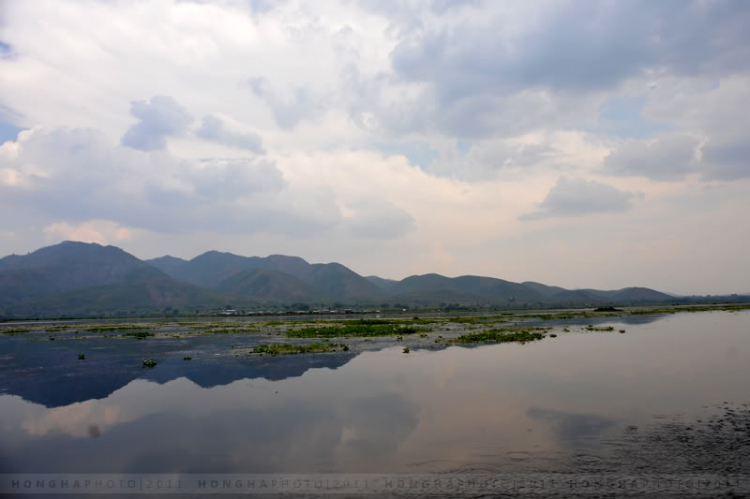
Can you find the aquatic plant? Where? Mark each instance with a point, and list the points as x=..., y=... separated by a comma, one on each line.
x=15, y=330
x=284, y=348
x=149, y=363
x=352, y=330
x=141, y=335
x=601, y=329
x=406, y=350
x=187, y=357
x=501, y=335
x=81, y=356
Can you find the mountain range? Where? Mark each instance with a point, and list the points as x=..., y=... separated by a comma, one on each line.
x=88, y=279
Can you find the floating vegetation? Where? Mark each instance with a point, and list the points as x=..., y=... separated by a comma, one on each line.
x=10, y=331
x=600, y=329
x=423, y=335
x=286, y=349
x=149, y=363
x=501, y=335
x=553, y=335
x=692, y=308
x=106, y=328
x=81, y=356
x=622, y=331
x=187, y=357
x=406, y=350
x=141, y=335
x=352, y=330
x=567, y=330
x=229, y=330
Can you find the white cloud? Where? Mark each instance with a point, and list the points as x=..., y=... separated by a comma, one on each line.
x=95, y=231
x=307, y=115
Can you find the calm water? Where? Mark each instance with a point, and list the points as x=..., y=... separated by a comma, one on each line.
x=571, y=402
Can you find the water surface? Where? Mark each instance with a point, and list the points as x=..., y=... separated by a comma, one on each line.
x=581, y=401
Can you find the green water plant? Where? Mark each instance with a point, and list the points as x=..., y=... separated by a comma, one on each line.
x=501, y=335
x=286, y=349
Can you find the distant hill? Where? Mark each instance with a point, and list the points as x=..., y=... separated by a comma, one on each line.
x=142, y=293
x=387, y=285
x=80, y=279
x=271, y=286
x=166, y=264
x=64, y=267
x=435, y=288
x=343, y=284
x=639, y=295
x=543, y=288
x=332, y=281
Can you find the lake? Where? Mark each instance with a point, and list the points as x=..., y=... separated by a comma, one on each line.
x=671, y=395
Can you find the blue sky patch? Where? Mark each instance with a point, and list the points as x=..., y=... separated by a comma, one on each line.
x=8, y=131
x=418, y=153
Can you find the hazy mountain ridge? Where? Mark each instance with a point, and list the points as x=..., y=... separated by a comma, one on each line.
x=89, y=279
x=331, y=281
x=271, y=286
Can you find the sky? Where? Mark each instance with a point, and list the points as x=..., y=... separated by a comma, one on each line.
x=577, y=143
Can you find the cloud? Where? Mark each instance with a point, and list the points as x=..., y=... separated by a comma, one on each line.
x=94, y=231
x=71, y=174
x=378, y=219
x=670, y=157
x=213, y=128
x=726, y=161
x=291, y=107
x=674, y=157
x=159, y=118
x=579, y=197
x=549, y=57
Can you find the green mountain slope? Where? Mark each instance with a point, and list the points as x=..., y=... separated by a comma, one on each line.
x=271, y=286
x=167, y=264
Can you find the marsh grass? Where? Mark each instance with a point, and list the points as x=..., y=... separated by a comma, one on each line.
x=141, y=335
x=353, y=330
x=287, y=349
x=106, y=328
x=599, y=329
x=501, y=335
x=11, y=331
